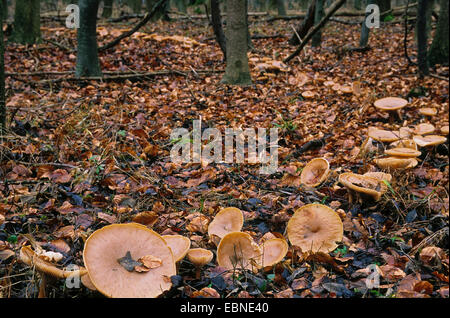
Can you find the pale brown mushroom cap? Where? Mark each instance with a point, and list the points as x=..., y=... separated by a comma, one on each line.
x=404, y=143
x=405, y=132
x=226, y=221
x=424, y=129
x=383, y=135
x=178, y=244
x=390, y=103
x=273, y=251
x=199, y=256
x=105, y=246
x=445, y=130
x=403, y=152
x=379, y=175
x=315, y=227
x=428, y=111
x=237, y=250
x=315, y=172
x=363, y=184
x=394, y=163
x=429, y=140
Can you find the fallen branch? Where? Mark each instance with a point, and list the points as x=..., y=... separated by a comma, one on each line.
x=333, y=8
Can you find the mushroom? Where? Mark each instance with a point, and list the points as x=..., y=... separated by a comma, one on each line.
x=45, y=268
x=403, y=152
x=429, y=140
x=395, y=163
x=405, y=132
x=273, y=251
x=404, y=143
x=379, y=175
x=199, y=257
x=315, y=172
x=444, y=130
x=361, y=186
x=237, y=250
x=383, y=135
x=424, y=129
x=391, y=105
x=315, y=227
x=108, y=256
x=227, y=220
x=428, y=111
x=178, y=244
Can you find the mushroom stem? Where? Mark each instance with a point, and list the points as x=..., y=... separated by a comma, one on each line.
x=198, y=272
x=43, y=286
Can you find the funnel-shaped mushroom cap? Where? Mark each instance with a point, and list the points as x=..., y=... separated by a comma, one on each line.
x=237, y=250
x=273, y=251
x=430, y=140
x=107, y=245
x=315, y=227
x=315, y=172
x=390, y=103
x=393, y=163
x=226, y=221
x=199, y=256
x=383, y=135
x=428, y=111
x=178, y=244
x=424, y=129
x=404, y=143
x=86, y=281
x=370, y=186
x=444, y=130
x=403, y=152
x=379, y=176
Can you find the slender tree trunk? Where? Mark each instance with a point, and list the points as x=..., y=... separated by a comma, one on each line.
x=385, y=5
x=135, y=5
x=237, y=70
x=365, y=31
x=88, y=63
x=249, y=37
x=182, y=5
x=2, y=73
x=439, y=50
x=161, y=14
x=318, y=15
x=4, y=10
x=422, y=38
x=26, y=29
x=107, y=8
x=306, y=24
x=216, y=20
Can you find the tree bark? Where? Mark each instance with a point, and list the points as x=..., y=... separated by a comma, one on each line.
x=88, y=63
x=216, y=20
x=318, y=15
x=422, y=38
x=2, y=73
x=135, y=5
x=237, y=71
x=162, y=12
x=365, y=31
x=439, y=50
x=306, y=24
x=26, y=28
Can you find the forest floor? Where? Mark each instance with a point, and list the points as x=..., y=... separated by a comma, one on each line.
x=83, y=154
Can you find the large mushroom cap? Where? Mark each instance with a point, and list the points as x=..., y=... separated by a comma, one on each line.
x=424, y=129
x=430, y=140
x=394, y=163
x=273, y=251
x=445, y=129
x=403, y=152
x=390, y=103
x=365, y=185
x=315, y=172
x=178, y=244
x=315, y=227
x=404, y=143
x=383, y=135
x=226, y=221
x=237, y=250
x=428, y=111
x=379, y=175
x=107, y=245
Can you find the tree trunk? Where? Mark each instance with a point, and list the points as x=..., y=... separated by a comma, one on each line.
x=4, y=11
x=135, y=5
x=88, y=63
x=318, y=15
x=160, y=14
x=107, y=8
x=306, y=24
x=216, y=20
x=237, y=70
x=2, y=73
x=385, y=5
x=439, y=50
x=422, y=38
x=365, y=31
x=181, y=5
x=26, y=29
